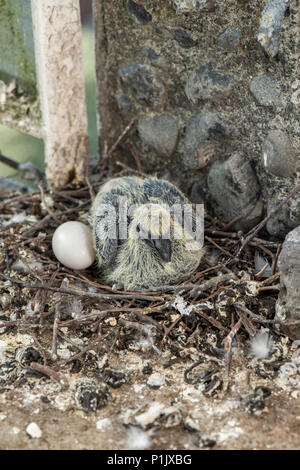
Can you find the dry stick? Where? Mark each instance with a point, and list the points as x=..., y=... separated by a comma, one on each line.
x=234, y=236
x=91, y=190
x=228, y=340
x=136, y=157
x=275, y=259
x=45, y=220
x=211, y=320
x=260, y=273
x=270, y=279
x=214, y=281
x=200, y=273
x=251, y=330
x=83, y=293
x=219, y=247
x=125, y=131
x=50, y=211
x=131, y=170
x=273, y=287
x=232, y=222
x=168, y=331
x=48, y=371
x=256, y=229
x=259, y=319
x=54, y=336
x=87, y=348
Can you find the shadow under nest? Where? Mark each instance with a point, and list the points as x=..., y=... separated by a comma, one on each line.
x=214, y=312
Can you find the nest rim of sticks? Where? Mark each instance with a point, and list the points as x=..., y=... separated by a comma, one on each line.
x=158, y=309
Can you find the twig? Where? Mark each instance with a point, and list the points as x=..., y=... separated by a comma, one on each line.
x=219, y=247
x=194, y=288
x=87, y=348
x=55, y=329
x=168, y=331
x=121, y=136
x=257, y=229
x=82, y=293
x=211, y=320
x=251, y=330
x=275, y=259
x=232, y=222
x=270, y=279
x=50, y=211
x=49, y=372
x=136, y=157
x=273, y=287
x=91, y=190
x=228, y=340
x=131, y=170
x=260, y=273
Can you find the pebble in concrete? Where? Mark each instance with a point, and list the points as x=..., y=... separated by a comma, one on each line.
x=270, y=25
x=160, y=132
x=230, y=38
x=288, y=303
x=183, y=37
x=124, y=102
x=34, y=431
x=233, y=185
x=204, y=131
x=139, y=13
x=156, y=380
x=264, y=89
x=279, y=157
x=145, y=84
x=185, y=6
x=280, y=223
x=205, y=83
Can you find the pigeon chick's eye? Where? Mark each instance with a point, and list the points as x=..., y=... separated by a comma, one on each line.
x=138, y=228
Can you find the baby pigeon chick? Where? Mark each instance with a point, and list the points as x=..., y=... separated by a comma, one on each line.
x=147, y=247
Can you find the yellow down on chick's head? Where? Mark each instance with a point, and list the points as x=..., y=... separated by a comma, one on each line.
x=148, y=247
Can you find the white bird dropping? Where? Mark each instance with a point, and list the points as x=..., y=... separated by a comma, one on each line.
x=72, y=244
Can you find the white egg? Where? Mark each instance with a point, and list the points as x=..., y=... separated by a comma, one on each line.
x=72, y=245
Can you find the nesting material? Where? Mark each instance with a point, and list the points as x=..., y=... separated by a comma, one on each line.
x=262, y=345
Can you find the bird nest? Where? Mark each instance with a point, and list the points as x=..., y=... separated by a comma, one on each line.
x=78, y=325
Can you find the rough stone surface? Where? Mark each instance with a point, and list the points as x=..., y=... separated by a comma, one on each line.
x=262, y=93
x=235, y=188
x=279, y=157
x=145, y=84
x=270, y=25
x=264, y=89
x=197, y=194
x=205, y=83
x=184, y=6
x=288, y=304
x=160, y=132
x=139, y=12
x=230, y=38
x=156, y=59
x=183, y=38
x=204, y=133
x=124, y=102
x=280, y=223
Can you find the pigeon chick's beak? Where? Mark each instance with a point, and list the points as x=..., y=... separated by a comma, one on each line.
x=162, y=246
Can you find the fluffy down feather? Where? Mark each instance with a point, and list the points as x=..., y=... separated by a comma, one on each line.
x=152, y=254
